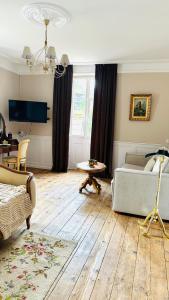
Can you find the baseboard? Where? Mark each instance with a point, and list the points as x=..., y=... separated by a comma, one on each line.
x=39, y=166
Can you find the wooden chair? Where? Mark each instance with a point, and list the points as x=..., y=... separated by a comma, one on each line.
x=20, y=159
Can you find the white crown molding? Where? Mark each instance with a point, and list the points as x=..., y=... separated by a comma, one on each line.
x=122, y=68
x=145, y=67
x=19, y=68
x=8, y=65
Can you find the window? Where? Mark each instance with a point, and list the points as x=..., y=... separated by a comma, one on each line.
x=82, y=106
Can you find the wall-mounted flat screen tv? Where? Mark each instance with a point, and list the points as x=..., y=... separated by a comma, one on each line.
x=27, y=111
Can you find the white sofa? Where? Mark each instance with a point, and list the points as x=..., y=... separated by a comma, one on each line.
x=134, y=190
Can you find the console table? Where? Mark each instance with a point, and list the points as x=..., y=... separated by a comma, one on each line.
x=8, y=148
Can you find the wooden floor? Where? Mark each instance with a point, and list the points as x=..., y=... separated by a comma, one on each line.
x=112, y=259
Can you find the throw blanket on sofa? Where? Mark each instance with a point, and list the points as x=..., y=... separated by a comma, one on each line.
x=15, y=207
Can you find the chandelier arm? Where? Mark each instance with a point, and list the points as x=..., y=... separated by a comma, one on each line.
x=58, y=76
x=58, y=70
x=38, y=54
x=41, y=49
x=53, y=75
x=59, y=73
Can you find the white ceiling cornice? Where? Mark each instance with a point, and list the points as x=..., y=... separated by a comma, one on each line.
x=8, y=65
x=161, y=66
x=144, y=67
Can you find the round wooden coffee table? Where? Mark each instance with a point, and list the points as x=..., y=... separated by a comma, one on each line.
x=84, y=167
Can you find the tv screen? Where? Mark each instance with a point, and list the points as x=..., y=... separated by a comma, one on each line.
x=27, y=111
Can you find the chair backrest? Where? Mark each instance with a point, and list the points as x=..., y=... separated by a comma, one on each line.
x=22, y=149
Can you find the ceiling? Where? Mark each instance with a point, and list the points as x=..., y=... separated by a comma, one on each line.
x=100, y=31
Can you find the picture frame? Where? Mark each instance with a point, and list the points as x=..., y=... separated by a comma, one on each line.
x=140, y=107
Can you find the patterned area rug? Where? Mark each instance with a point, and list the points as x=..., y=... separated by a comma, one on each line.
x=30, y=265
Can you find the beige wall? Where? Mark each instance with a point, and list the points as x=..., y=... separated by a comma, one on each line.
x=40, y=88
x=9, y=88
x=26, y=87
x=157, y=129
x=154, y=131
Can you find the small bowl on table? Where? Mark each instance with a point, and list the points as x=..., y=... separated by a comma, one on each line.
x=92, y=163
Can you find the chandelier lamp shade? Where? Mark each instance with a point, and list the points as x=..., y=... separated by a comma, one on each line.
x=46, y=57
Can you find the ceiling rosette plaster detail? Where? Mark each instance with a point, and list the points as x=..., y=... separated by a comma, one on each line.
x=37, y=12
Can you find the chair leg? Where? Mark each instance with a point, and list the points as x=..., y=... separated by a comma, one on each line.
x=28, y=222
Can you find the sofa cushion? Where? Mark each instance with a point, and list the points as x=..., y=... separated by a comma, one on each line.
x=137, y=159
x=157, y=164
x=150, y=164
x=166, y=168
x=133, y=167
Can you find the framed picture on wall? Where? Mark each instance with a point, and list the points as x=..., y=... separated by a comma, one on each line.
x=140, y=107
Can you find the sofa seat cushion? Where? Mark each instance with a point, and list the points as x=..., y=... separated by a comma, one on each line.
x=133, y=167
x=15, y=207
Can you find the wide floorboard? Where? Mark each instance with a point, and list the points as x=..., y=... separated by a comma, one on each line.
x=112, y=259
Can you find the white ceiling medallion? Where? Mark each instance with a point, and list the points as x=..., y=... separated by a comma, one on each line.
x=37, y=12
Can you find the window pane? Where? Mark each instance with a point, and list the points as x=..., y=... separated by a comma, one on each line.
x=78, y=106
x=90, y=106
x=82, y=106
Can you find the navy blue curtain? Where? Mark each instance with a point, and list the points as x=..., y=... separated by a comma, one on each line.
x=62, y=95
x=104, y=115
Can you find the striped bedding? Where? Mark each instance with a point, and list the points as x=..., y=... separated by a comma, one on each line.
x=15, y=207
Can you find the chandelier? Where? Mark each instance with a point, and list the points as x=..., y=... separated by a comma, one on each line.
x=46, y=57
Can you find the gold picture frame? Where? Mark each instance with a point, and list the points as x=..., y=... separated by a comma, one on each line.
x=140, y=107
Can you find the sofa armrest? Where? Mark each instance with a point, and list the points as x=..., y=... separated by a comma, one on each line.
x=32, y=190
x=135, y=191
x=10, y=176
x=129, y=181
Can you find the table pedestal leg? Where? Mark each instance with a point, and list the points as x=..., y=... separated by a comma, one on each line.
x=91, y=181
